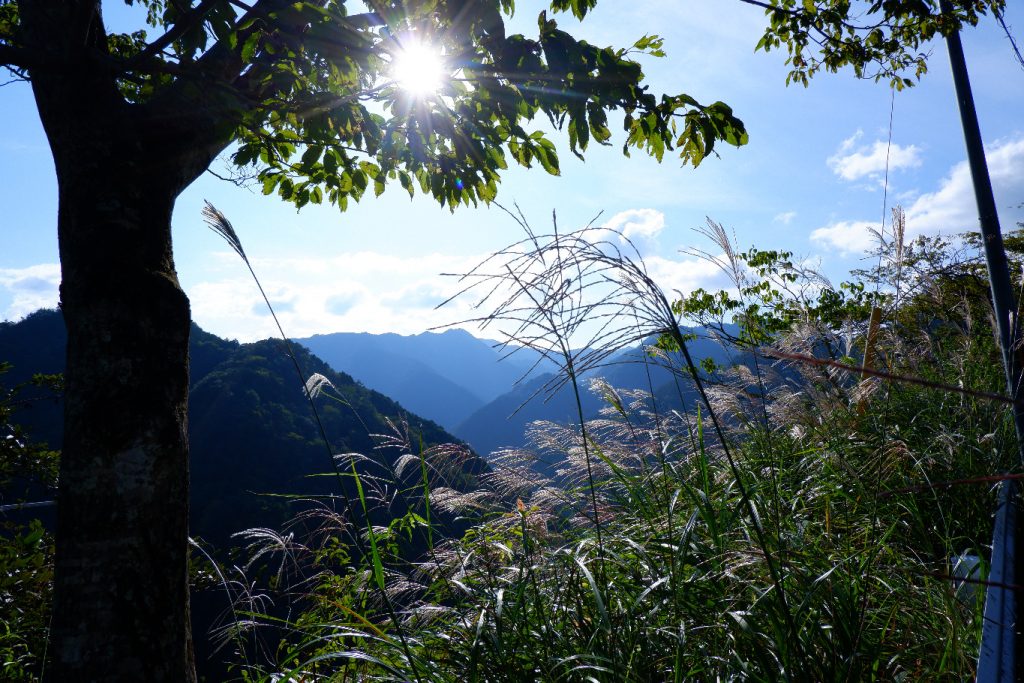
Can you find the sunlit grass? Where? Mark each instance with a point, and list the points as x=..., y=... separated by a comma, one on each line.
x=803, y=539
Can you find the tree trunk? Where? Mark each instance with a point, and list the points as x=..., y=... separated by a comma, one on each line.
x=121, y=584
x=121, y=576
x=121, y=602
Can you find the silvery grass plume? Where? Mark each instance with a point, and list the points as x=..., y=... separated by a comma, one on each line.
x=261, y=542
x=899, y=230
x=219, y=223
x=316, y=384
x=577, y=298
x=729, y=261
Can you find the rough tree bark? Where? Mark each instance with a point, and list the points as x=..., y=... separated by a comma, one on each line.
x=121, y=584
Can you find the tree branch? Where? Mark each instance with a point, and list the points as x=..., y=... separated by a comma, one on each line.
x=180, y=28
x=16, y=79
x=20, y=57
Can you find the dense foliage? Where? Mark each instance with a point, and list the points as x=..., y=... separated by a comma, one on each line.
x=28, y=473
x=880, y=39
x=306, y=91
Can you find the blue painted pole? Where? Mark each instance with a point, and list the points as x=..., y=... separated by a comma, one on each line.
x=997, y=660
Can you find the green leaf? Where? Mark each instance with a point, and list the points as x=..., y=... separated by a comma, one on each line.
x=311, y=156
x=406, y=182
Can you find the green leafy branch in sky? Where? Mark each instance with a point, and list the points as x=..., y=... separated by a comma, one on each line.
x=306, y=91
x=452, y=145
x=880, y=39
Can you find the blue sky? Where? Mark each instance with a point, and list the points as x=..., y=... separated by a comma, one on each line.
x=810, y=181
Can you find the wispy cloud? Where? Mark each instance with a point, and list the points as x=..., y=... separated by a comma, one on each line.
x=637, y=223
x=785, y=218
x=950, y=209
x=355, y=291
x=683, y=275
x=30, y=288
x=374, y=292
x=853, y=161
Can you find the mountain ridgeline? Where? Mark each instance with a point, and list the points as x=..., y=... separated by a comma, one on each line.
x=444, y=376
x=487, y=395
x=254, y=442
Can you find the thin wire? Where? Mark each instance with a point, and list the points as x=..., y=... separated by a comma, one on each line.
x=1009, y=36
x=885, y=184
x=878, y=281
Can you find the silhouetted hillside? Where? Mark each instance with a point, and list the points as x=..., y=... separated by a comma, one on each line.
x=251, y=428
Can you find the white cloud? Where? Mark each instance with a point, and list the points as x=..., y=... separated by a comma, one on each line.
x=850, y=142
x=30, y=288
x=849, y=237
x=785, y=218
x=851, y=162
x=952, y=208
x=684, y=275
x=642, y=224
x=640, y=227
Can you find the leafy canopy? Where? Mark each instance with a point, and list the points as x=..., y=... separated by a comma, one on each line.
x=304, y=89
x=879, y=39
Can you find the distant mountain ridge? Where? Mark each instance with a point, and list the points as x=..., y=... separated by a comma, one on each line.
x=477, y=390
x=444, y=376
x=251, y=429
x=504, y=422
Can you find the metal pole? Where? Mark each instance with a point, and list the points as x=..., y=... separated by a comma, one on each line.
x=997, y=660
x=1003, y=300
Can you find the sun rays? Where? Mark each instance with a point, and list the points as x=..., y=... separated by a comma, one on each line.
x=419, y=68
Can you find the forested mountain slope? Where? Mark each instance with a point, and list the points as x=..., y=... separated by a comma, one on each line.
x=250, y=425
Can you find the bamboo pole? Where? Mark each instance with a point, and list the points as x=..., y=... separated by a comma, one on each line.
x=869, y=343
